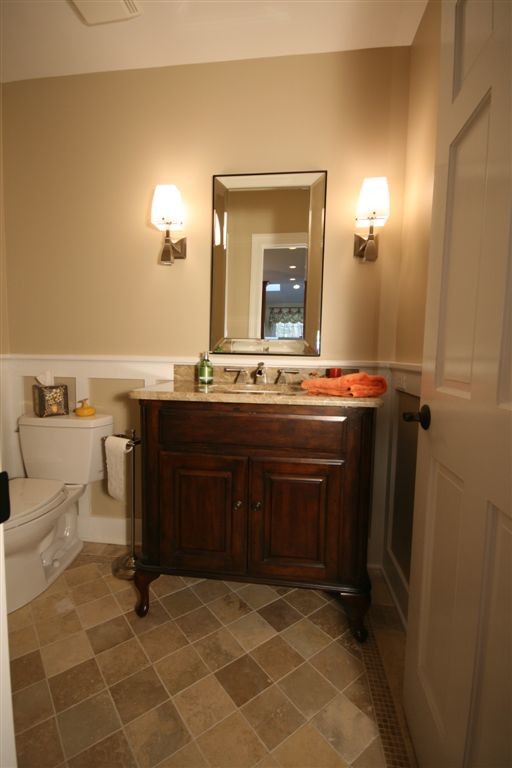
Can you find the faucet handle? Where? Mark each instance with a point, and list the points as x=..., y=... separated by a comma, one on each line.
x=283, y=372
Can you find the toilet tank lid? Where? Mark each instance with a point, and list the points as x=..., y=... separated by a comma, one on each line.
x=71, y=420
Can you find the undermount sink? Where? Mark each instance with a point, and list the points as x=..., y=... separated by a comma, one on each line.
x=255, y=389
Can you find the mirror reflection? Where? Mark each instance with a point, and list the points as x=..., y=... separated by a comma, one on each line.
x=267, y=263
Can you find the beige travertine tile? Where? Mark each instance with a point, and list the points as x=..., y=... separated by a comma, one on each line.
x=372, y=756
x=358, y=693
x=307, y=689
x=116, y=585
x=243, y=679
x=110, y=633
x=307, y=748
x=229, y=608
x=276, y=657
x=186, y=757
x=98, y=611
x=273, y=716
x=178, y=603
x=231, y=743
x=156, y=735
x=58, y=627
x=218, y=649
x=166, y=584
x=345, y=727
x=280, y=614
x=305, y=600
x=20, y=618
x=337, y=665
x=210, y=589
x=306, y=638
x=26, y=670
x=121, y=661
x=251, y=630
x=59, y=656
x=181, y=669
x=112, y=752
x=91, y=590
x=268, y=762
x=198, y=624
x=156, y=616
x=257, y=595
x=203, y=704
x=86, y=723
x=330, y=619
x=39, y=746
x=72, y=686
x=22, y=641
x=163, y=640
x=80, y=575
x=50, y=606
x=31, y=705
x=127, y=599
x=137, y=694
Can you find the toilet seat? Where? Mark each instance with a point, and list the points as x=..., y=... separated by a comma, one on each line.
x=30, y=498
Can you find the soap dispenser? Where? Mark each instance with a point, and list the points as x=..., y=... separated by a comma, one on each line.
x=205, y=370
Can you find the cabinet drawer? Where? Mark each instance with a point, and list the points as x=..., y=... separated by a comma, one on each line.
x=304, y=430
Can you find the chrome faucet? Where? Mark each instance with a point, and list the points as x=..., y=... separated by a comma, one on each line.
x=260, y=375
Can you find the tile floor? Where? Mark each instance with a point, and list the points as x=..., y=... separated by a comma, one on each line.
x=217, y=675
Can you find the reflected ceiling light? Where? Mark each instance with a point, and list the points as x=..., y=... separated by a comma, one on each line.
x=292, y=279
x=292, y=266
x=167, y=215
x=372, y=211
x=296, y=287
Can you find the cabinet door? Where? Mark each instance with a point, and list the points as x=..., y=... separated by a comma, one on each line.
x=294, y=518
x=203, y=511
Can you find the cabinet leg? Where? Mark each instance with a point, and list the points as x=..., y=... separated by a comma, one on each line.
x=142, y=580
x=355, y=607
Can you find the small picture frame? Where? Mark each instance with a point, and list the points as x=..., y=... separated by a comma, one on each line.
x=51, y=400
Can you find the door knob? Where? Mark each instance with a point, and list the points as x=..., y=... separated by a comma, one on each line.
x=423, y=416
x=238, y=504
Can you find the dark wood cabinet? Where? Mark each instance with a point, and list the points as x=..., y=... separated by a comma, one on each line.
x=257, y=492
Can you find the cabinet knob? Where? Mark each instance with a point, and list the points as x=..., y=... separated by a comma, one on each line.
x=238, y=504
x=256, y=506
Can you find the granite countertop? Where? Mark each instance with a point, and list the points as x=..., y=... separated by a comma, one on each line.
x=280, y=394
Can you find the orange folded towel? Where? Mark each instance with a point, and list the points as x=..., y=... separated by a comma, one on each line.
x=351, y=385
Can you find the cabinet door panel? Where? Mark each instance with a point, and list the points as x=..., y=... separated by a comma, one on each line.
x=202, y=511
x=295, y=518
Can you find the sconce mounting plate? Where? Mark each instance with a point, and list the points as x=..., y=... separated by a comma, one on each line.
x=366, y=248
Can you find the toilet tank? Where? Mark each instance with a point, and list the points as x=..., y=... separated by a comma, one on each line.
x=67, y=448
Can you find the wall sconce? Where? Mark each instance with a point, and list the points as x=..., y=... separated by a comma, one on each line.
x=372, y=211
x=167, y=215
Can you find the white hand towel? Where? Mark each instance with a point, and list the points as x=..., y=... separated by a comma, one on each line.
x=116, y=449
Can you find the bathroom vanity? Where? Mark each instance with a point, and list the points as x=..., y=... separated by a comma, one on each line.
x=269, y=488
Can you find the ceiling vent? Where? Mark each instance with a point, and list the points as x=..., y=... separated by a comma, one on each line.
x=106, y=11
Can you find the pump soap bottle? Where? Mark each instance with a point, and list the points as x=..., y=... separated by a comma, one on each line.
x=205, y=370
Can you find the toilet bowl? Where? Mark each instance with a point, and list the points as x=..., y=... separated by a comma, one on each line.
x=62, y=454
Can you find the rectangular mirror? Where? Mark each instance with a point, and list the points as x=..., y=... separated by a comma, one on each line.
x=267, y=263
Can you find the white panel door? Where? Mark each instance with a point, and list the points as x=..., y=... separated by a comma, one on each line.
x=458, y=678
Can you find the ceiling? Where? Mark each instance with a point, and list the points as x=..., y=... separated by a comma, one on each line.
x=47, y=38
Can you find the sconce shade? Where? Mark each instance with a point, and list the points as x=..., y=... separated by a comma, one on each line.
x=167, y=211
x=373, y=204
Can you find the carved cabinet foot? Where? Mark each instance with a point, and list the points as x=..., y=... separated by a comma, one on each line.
x=355, y=607
x=142, y=580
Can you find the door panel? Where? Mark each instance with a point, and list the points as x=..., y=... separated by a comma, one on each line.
x=206, y=529
x=457, y=695
x=299, y=496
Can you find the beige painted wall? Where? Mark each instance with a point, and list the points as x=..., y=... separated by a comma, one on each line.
x=83, y=154
x=419, y=180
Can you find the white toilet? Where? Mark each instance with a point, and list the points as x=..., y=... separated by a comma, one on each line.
x=62, y=454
